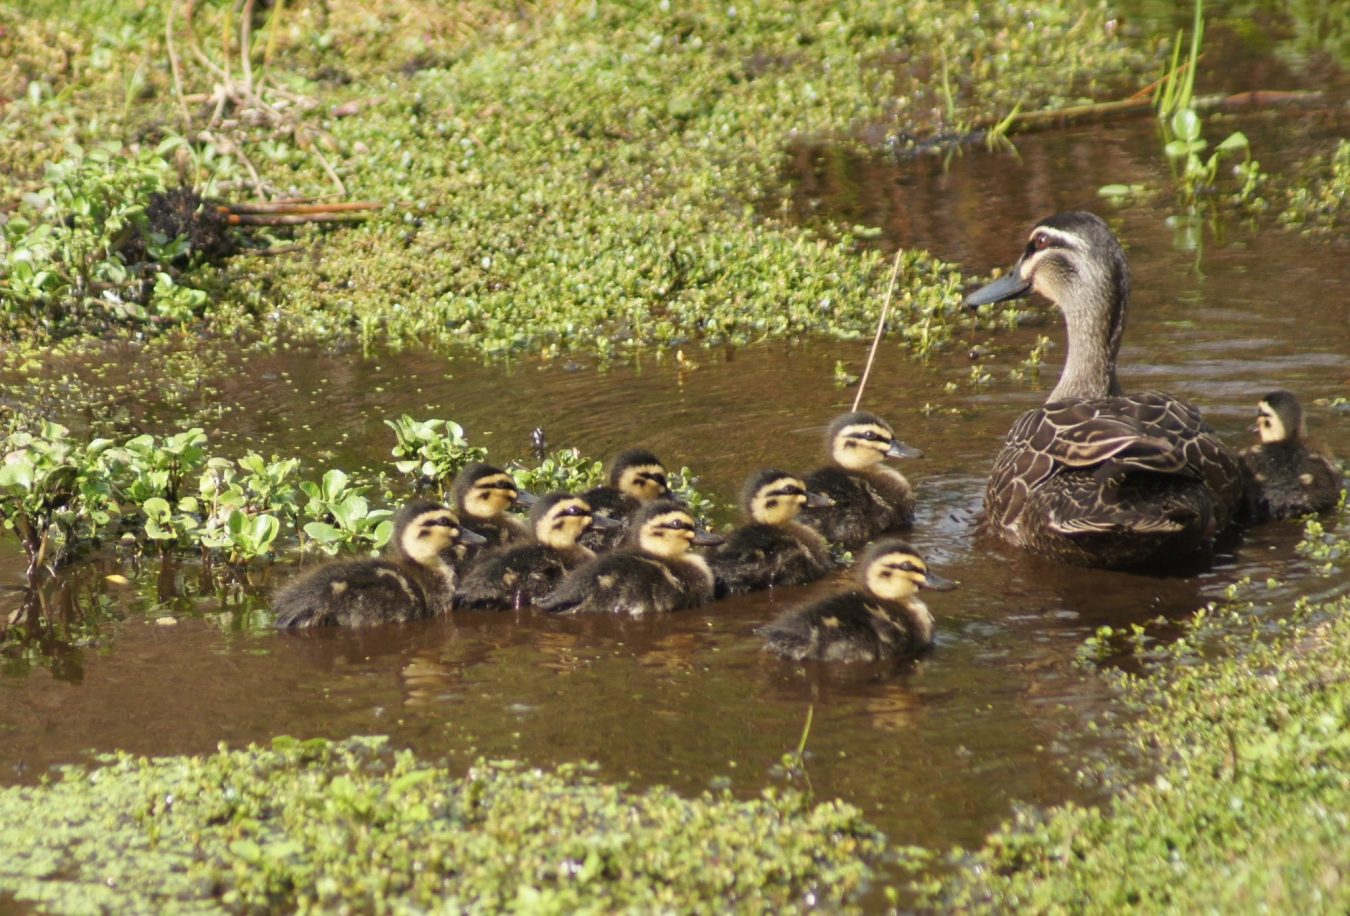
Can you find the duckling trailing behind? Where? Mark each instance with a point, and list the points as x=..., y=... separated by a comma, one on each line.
x=415, y=579
x=636, y=478
x=653, y=573
x=774, y=549
x=1288, y=478
x=526, y=574
x=482, y=494
x=1095, y=476
x=866, y=497
x=882, y=618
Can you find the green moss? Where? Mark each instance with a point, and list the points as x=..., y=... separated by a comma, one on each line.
x=586, y=177
x=353, y=826
x=1249, y=720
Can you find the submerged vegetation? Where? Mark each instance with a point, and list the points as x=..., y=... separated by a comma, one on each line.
x=354, y=826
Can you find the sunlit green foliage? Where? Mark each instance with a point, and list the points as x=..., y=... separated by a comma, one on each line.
x=1320, y=205
x=432, y=452
x=584, y=177
x=352, y=826
x=80, y=253
x=1248, y=719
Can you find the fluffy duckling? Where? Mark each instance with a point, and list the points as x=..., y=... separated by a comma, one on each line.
x=868, y=498
x=1288, y=478
x=653, y=573
x=636, y=478
x=526, y=574
x=774, y=549
x=882, y=618
x=415, y=579
x=482, y=494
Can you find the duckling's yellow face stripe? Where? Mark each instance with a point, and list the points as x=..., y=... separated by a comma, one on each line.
x=490, y=496
x=895, y=576
x=1269, y=424
x=430, y=534
x=861, y=445
x=564, y=524
x=778, y=501
x=644, y=482
x=668, y=534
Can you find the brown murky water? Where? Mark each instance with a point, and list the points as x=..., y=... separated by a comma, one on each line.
x=935, y=751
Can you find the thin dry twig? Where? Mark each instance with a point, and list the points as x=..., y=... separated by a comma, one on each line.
x=881, y=327
x=176, y=65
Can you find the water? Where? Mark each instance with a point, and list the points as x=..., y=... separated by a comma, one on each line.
x=935, y=751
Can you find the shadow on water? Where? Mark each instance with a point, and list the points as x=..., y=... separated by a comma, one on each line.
x=934, y=750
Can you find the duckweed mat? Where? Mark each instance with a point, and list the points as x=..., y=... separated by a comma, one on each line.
x=353, y=826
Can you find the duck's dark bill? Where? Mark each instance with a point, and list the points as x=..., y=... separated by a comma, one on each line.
x=1009, y=286
x=937, y=583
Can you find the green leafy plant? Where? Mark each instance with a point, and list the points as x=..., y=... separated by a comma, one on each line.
x=81, y=250
x=564, y=469
x=432, y=452
x=51, y=494
x=343, y=519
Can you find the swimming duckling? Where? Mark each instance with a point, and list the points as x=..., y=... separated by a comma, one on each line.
x=652, y=573
x=868, y=498
x=415, y=579
x=882, y=619
x=526, y=574
x=1288, y=478
x=636, y=478
x=774, y=549
x=482, y=494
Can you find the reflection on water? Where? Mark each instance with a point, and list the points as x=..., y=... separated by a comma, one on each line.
x=935, y=749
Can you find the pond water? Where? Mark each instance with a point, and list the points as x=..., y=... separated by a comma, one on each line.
x=935, y=751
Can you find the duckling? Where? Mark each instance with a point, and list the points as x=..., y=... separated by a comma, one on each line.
x=1287, y=477
x=774, y=549
x=636, y=477
x=415, y=579
x=867, y=498
x=525, y=574
x=652, y=573
x=881, y=619
x=482, y=494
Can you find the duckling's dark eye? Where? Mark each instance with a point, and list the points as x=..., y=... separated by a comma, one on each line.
x=660, y=479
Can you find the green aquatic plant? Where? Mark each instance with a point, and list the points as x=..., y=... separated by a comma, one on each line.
x=1182, y=127
x=342, y=517
x=564, y=469
x=649, y=224
x=1319, y=206
x=432, y=452
x=82, y=253
x=356, y=826
x=52, y=493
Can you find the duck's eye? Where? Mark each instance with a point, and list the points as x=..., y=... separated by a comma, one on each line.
x=1040, y=241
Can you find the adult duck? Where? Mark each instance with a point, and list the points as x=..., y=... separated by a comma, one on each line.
x=1097, y=477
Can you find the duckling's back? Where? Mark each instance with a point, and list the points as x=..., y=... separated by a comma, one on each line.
x=515, y=578
x=866, y=503
x=357, y=593
x=633, y=583
x=1287, y=479
x=846, y=627
x=760, y=556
